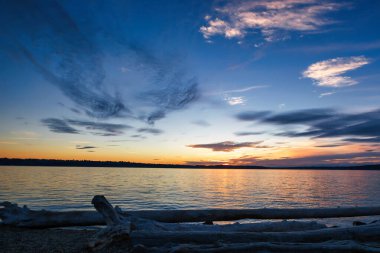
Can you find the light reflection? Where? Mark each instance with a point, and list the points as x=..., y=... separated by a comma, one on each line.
x=143, y=188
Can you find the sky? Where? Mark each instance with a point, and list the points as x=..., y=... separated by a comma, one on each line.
x=254, y=82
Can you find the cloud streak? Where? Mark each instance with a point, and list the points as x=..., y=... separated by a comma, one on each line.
x=363, y=127
x=226, y=146
x=59, y=126
x=247, y=133
x=85, y=147
x=316, y=160
x=100, y=128
x=271, y=18
x=330, y=73
x=96, y=128
x=154, y=131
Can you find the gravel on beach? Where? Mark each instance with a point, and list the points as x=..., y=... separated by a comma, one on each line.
x=14, y=240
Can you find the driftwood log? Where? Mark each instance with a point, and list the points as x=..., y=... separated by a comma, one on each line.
x=267, y=247
x=366, y=233
x=118, y=227
x=12, y=214
x=152, y=236
x=144, y=231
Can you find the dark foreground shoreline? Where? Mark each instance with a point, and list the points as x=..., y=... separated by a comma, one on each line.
x=123, y=164
x=18, y=240
x=25, y=240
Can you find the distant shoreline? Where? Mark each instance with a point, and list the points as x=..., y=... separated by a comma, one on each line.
x=122, y=164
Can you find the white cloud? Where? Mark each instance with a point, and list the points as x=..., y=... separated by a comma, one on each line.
x=329, y=73
x=269, y=17
x=326, y=94
x=235, y=100
x=254, y=87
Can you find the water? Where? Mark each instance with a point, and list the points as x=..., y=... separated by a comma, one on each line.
x=69, y=188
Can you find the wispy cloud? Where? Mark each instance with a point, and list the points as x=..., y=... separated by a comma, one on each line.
x=100, y=128
x=247, y=133
x=226, y=146
x=96, y=128
x=329, y=73
x=324, y=94
x=63, y=55
x=363, y=127
x=316, y=160
x=235, y=100
x=154, y=131
x=340, y=159
x=203, y=123
x=85, y=147
x=245, y=89
x=272, y=18
x=59, y=126
x=171, y=87
x=69, y=53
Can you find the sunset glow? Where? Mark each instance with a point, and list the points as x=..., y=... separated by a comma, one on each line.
x=269, y=83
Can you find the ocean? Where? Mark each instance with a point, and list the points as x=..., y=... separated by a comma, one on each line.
x=72, y=188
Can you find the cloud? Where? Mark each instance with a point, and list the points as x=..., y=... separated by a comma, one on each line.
x=68, y=51
x=245, y=89
x=171, y=88
x=106, y=129
x=366, y=140
x=252, y=115
x=176, y=96
x=235, y=100
x=63, y=54
x=272, y=18
x=154, y=131
x=138, y=136
x=324, y=123
x=340, y=159
x=333, y=145
x=85, y=147
x=300, y=116
x=96, y=128
x=247, y=133
x=59, y=126
x=316, y=160
x=329, y=73
x=201, y=123
x=294, y=117
x=324, y=94
x=226, y=146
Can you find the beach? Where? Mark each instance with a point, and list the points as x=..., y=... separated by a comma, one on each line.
x=16, y=240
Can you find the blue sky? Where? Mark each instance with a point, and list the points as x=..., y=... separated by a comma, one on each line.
x=200, y=82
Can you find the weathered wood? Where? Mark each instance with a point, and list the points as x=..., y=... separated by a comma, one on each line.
x=365, y=233
x=109, y=214
x=275, y=226
x=175, y=216
x=268, y=247
x=118, y=227
x=14, y=215
x=24, y=217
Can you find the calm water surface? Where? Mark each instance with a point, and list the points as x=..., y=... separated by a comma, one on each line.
x=68, y=188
